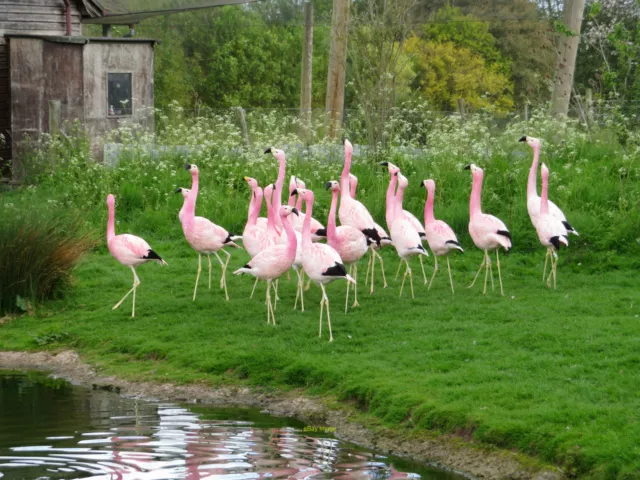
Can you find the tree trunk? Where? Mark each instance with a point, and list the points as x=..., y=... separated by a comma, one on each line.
x=566, y=62
x=337, y=67
x=306, y=80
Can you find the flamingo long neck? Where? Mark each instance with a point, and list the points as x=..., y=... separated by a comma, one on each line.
x=299, y=203
x=111, y=223
x=271, y=221
x=291, y=201
x=188, y=213
x=428, y=206
x=256, y=206
x=544, y=197
x=353, y=185
x=331, y=221
x=391, y=200
x=277, y=199
x=475, y=206
x=533, y=174
x=292, y=241
x=306, y=226
x=344, y=178
x=399, y=198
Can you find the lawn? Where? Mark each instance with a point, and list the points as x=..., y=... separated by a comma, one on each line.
x=553, y=374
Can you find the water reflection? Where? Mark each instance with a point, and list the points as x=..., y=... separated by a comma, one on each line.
x=51, y=429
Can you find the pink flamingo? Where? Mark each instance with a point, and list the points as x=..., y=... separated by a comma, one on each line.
x=256, y=201
x=321, y=262
x=533, y=200
x=349, y=242
x=272, y=262
x=129, y=250
x=391, y=211
x=253, y=234
x=488, y=232
x=404, y=235
x=441, y=238
x=318, y=232
x=551, y=230
x=385, y=239
x=282, y=166
x=356, y=215
x=204, y=236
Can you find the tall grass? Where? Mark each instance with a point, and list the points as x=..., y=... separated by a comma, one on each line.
x=38, y=250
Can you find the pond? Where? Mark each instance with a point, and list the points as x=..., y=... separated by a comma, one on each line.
x=51, y=429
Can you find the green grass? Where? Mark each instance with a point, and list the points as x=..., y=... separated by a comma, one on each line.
x=552, y=374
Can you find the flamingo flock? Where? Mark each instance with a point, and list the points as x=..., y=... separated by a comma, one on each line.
x=290, y=238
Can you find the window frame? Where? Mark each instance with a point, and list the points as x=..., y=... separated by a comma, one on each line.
x=124, y=115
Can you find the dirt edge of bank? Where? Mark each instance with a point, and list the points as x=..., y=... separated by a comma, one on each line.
x=445, y=451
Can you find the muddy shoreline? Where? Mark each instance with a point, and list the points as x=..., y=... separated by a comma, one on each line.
x=448, y=452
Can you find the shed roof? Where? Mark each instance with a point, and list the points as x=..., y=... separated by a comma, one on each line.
x=126, y=12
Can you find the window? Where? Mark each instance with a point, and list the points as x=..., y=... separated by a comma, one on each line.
x=119, y=94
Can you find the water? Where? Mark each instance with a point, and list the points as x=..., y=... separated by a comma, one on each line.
x=50, y=429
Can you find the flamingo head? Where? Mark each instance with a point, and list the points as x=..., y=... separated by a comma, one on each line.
x=268, y=191
x=191, y=167
x=544, y=172
x=402, y=181
x=252, y=182
x=184, y=191
x=286, y=210
x=531, y=141
x=393, y=169
x=348, y=148
x=278, y=154
x=429, y=184
x=303, y=193
x=332, y=185
x=474, y=168
x=111, y=201
x=300, y=183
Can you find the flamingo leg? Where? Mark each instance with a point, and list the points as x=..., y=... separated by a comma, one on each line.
x=308, y=285
x=366, y=278
x=268, y=301
x=398, y=271
x=424, y=275
x=209, y=260
x=435, y=270
x=411, y=280
x=487, y=262
x=355, y=286
x=404, y=277
x=255, y=284
x=223, y=282
x=478, y=272
x=555, y=272
x=197, y=276
x=546, y=259
x=321, y=309
x=326, y=302
x=224, y=273
x=491, y=273
x=373, y=269
x=384, y=278
x=499, y=274
x=346, y=301
x=275, y=303
x=136, y=282
x=298, y=288
x=450, y=277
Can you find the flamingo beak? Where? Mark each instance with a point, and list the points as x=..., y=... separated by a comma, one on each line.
x=246, y=179
x=422, y=185
x=295, y=210
x=295, y=192
x=467, y=167
x=268, y=150
x=178, y=190
x=187, y=166
x=523, y=139
x=384, y=164
x=327, y=185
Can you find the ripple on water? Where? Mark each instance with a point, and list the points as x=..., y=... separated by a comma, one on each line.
x=53, y=430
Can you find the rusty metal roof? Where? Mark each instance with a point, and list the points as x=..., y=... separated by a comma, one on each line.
x=126, y=12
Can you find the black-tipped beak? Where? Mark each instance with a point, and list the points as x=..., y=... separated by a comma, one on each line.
x=523, y=139
x=384, y=164
x=295, y=210
x=327, y=185
x=295, y=192
x=268, y=150
x=178, y=190
x=395, y=174
x=422, y=185
x=467, y=167
x=187, y=166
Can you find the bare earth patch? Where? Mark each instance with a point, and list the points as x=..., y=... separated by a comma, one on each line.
x=448, y=452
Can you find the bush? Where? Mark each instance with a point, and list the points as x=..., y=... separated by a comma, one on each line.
x=38, y=250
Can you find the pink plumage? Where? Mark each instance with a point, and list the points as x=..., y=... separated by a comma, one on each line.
x=488, y=233
x=254, y=234
x=129, y=250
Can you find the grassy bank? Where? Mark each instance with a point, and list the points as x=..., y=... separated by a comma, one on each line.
x=552, y=374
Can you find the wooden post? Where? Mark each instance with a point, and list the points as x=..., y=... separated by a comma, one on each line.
x=566, y=61
x=54, y=117
x=461, y=109
x=306, y=80
x=243, y=124
x=526, y=112
x=589, y=102
x=337, y=67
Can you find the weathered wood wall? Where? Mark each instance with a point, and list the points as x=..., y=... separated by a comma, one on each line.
x=37, y=17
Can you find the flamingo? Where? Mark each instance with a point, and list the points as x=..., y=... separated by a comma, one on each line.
x=272, y=262
x=551, y=230
x=390, y=211
x=404, y=235
x=282, y=166
x=533, y=200
x=204, y=236
x=321, y=262
x=441, y=238
x=318, y=232
x=253, y=234
x=129, y=250
x=355, y=214
x=256, y=200
x=385, y=239
x=349, y=242
x=487, y=232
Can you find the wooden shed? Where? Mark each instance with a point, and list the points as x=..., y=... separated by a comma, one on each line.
x=48, y=69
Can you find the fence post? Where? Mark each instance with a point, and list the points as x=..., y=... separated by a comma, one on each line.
x=526, y=112
x=54, y=117
x=461, y=109
x=589, y=100
x=243, y=125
